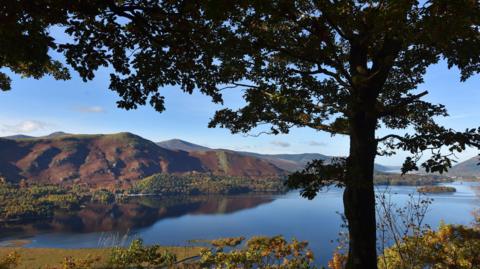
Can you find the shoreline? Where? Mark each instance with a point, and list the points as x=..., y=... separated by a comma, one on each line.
x=54, y=257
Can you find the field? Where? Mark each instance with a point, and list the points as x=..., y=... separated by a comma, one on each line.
x=32, y=258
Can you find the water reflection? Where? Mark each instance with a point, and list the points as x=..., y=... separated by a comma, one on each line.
x=176, y=220
x=137, y=213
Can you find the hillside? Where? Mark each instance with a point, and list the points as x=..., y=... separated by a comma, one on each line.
x=468, y=168
x=21, y=136
x=104, y=160
x=177, y=144
x=287, y=162
x=232, y=163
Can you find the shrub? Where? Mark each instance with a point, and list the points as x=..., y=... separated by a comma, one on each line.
x=260, y=252
x=139, y=256
x=103, y=196
x=452, y=246
x=10, y=261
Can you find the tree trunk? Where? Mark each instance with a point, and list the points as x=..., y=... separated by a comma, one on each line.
x=359, y=197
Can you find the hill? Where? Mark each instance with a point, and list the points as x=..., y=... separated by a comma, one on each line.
x=232, y=163
x=177, y=144
x=22, y=137
x=287, y=162
x=468, y=168
x=104, y=160
x=19, y=136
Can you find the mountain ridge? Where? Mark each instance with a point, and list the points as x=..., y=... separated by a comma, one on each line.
x=287, y=161
x=122, y=158
x=114, y=159
x=178, y=144
x=468, y=168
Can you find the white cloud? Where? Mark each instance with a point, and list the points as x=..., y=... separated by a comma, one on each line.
x=91, y=109
x=281, y=144
x=27, y=126
x=316, y=144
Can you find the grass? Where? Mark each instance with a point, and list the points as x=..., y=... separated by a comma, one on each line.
x=33, y=258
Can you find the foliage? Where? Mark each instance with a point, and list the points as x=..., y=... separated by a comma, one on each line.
x=227, y=242
x=343, y=67
x=300, y=63
x=338, y=261
x=10, y=261
x=139, y=256
x=436, y=189
x=33, y=201
x=318, y=175
x=197, y=183
x=409, y=179
x=413, y=244
x=397, y=222
x=452, y=246
x=260, y=252
x=103, y=196
x=50, y=258
x=27, y=41
x=37, y=201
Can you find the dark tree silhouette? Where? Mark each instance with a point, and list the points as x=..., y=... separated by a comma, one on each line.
x=344, y=67
x=25, y=39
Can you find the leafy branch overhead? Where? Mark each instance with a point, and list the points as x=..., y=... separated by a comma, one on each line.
x=345, y=67
x=299, y=63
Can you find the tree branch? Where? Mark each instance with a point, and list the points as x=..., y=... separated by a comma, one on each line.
x=402, y=103
x=391, y=136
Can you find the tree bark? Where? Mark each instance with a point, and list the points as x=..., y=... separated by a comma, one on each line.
x=359, y=196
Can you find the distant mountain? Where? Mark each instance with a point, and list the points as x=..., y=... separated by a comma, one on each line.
x=21, y=136
x=287, y=162
x=290, y=162
x=177, y=144
x=468, y=168
x=387, y=168
x=105, y=160
x=120, y=159
x=225, y=161
x=55, y=134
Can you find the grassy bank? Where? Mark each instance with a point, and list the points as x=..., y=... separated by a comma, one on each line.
x=32, y=258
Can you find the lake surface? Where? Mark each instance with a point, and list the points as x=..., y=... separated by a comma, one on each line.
x=176, y=220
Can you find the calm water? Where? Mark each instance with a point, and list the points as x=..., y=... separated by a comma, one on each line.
x=176, y=220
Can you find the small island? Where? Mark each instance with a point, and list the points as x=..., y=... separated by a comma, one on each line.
x=436, y=189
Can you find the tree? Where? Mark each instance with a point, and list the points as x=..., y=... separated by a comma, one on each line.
x=345, y=67
x=26, y=40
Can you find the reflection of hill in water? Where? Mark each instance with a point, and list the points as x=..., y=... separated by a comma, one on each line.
x=137, y=213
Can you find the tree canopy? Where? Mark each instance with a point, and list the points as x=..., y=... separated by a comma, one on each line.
x=26, y=42
x=344, y=67
x=297, y=62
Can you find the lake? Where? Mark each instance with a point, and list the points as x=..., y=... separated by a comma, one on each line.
x=175, y=220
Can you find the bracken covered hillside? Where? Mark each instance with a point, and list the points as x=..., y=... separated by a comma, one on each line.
x=113, y=159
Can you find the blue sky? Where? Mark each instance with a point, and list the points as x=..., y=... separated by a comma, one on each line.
x=38, y=107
